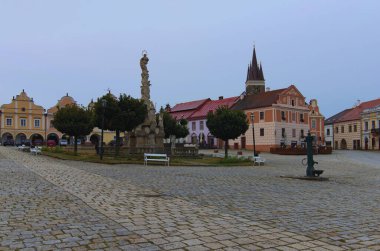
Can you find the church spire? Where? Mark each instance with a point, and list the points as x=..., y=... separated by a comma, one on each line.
x=255, y=69
x=255, y=82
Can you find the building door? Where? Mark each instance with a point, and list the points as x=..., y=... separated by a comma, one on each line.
x=343, y=144
x=366, y=143
x=354, y=144
x=242, y=139
x=373, y=143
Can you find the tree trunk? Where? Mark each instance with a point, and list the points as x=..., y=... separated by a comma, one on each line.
x=117, y=143
x=75, y=145
x=226, y=149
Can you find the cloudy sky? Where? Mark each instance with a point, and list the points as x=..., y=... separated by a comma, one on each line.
x=198, y=49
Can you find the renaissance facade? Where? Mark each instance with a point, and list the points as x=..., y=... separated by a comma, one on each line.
x=24, y=121
x=281, y=117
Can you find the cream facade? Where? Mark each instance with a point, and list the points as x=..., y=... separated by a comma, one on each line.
x=282, y=123
x=370, y=123
x=22, y=121
x=347, y=135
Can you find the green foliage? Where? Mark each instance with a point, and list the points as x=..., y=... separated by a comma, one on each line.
x=227, y=124
x=131, y=113
x=122, y=114
x=74, y=121
x=173, y=128
x=110, y=111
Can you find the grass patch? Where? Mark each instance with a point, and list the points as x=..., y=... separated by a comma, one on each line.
x=176, y=161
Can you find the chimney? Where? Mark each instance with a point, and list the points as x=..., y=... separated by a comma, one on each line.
x=357, y=103
x=220, y=97
x=267, y=89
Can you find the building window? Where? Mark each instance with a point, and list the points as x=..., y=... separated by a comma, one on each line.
x=336, y=129
x=23, y=109
x=355, y=128
x=293, y=103
x=349, y=128
x=23, y=122
x=283, y=134
x=193, y=126
x=201, y=125
x=261, y=131
x=328, y=132
x=342, y=129
x=283, y=115
x=36, y=123
x=293, y=116
x=294, y=133
x=301, y=117
x=366, y=126
x=9, y=121
x=261, y=115
x=302, y=134
x=373, y=124
x=313, y=124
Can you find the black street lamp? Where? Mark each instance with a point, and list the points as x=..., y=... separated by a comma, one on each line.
x=253, y=133
x=104, y=104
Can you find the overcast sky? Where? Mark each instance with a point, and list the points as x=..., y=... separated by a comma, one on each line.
x=198, y=49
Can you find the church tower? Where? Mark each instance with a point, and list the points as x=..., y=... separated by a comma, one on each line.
x=255, y=82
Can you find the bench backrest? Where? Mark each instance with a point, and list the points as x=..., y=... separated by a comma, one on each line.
x=155, y=155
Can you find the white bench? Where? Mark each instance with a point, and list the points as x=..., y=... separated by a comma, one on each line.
x=36, y=150
x=259, y=160
x=155, y=157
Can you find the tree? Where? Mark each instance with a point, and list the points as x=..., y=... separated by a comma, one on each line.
x=227, y=124
x=174, y=128
x=74, y=121
x=131, y=113
x=120, y=114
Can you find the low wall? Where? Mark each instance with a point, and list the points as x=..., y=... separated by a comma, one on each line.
x=299, y=151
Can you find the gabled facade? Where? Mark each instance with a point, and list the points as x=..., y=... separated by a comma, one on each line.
x=316, y=122
x=22, y=120
x=280, y=118
x=52, y=133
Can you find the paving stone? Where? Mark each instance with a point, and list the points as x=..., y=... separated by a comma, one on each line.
x=74, y=205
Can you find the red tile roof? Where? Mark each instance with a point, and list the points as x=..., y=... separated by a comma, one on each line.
x=354, y=114
x=212, y=105
x=182, y=114
x=263, y=99
x=189, y=105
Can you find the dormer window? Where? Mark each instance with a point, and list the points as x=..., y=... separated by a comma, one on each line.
x=293, y=102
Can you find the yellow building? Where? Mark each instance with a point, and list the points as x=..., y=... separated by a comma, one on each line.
x=22, y=121
x=370, y=119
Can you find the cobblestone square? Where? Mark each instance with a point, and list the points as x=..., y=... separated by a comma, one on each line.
x=49, y=204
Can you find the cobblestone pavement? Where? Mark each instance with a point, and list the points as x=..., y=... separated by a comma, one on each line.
x=191, y=208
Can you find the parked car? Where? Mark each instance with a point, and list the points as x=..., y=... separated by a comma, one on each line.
x=113, y=143
x=63, y=142
x=51, y=143
x=9, y=142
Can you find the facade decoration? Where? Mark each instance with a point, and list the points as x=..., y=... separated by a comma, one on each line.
x=22, y=121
